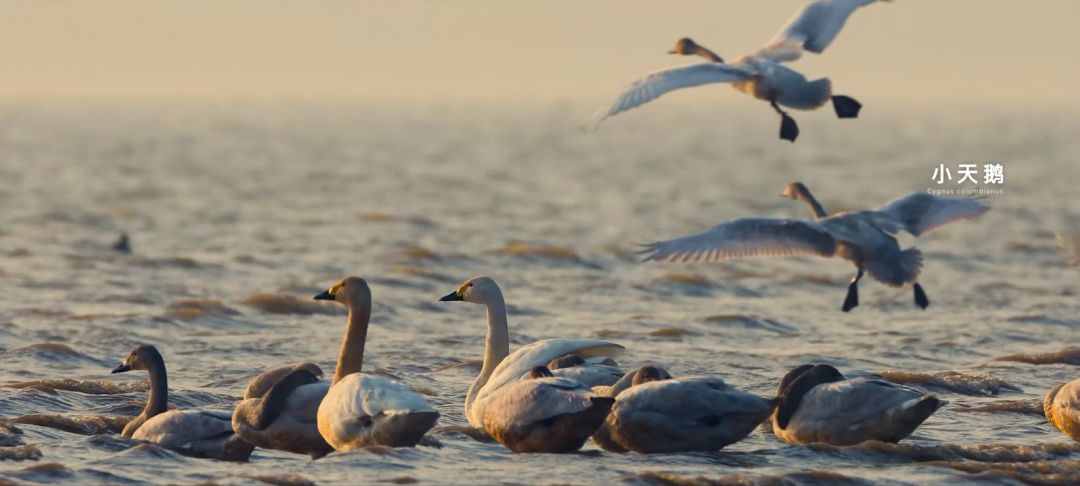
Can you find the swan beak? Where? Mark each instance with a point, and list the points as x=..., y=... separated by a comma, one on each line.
x=451, y=297
x=122, y=368
x=325, y=296
x=672, y=52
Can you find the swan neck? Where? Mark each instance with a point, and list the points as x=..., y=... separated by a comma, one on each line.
x=707, y=54
x=497, y=343
x=815, y=206
x=158, y=401
x=351, y=356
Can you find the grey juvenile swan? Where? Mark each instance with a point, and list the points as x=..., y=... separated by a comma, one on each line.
x=817, y=404
x=199, y=432
x=760, y=74
x=866, y=238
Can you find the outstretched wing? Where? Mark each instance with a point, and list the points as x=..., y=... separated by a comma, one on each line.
x=812, y=29
x=658, y=83
x=920, y=212
x=744, y=238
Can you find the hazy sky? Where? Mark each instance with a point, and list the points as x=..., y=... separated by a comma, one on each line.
x=512, y=50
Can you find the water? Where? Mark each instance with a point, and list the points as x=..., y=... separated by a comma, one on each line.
x=238, y=214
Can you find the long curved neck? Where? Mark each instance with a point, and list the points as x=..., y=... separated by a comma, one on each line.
x=158, y=401
x=497, y=342
x=707, y=54
x=815, y=206
x=351, y=356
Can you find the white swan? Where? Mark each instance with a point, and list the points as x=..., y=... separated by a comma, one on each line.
x=364, y=410
x=658, y=414
x=817, y=404
x=760, y=74
x=203, y=433
x=1062, y=408
x=866, y=238
x=545, y=414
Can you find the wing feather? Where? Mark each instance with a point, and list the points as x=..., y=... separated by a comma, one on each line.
x=921, y=213
x=745, y=238
x=813, y=28
x=659, y=83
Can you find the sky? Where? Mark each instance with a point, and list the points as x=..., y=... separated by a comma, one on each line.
x=1010, y=50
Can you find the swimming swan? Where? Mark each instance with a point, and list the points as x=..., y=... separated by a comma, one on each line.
x=202, y=433
x=866, y=238
x=259, y=385
x=1062, y=408
x=279, y=410
x=817, y=404
x=760, y=74
x=658, y=414
x=525, y=414
x=363, y=410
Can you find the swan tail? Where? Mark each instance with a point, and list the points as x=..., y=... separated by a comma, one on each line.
x=404, y=428
x=808, y=96
x=901, y=269
x=273, y=403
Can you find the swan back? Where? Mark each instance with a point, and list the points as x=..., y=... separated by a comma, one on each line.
x=362, y=410
x=179, y=428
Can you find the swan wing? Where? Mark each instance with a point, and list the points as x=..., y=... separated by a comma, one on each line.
x=527, y=401
x=362, y=410
x=659, y=83
x=590, y=374
x=859, y=409
x=744, y=238
x=813, y=28
x=517, y=364
x=179, y=428
x=921, y=213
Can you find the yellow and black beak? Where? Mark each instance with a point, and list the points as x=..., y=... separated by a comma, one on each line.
x=451, y=297
x=325, y=295
x=122, y=368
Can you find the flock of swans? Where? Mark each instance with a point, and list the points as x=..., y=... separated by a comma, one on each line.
x=556, y=394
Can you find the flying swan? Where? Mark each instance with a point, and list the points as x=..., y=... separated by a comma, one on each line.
x=199, y=432
x=517, y=402
x=866, y=238
x=761, y=74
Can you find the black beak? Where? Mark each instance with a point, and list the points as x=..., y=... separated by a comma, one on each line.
x=324, y=296
x=672, y=52
x=122, y=368
x=451, y=297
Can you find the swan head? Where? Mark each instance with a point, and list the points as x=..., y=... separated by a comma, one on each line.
x=349, y=291
x=646, y=374
x=540, y=372
x=140, y=358
x=568, y=361
x=795, y=190
x=476, y=290
x=685, y=46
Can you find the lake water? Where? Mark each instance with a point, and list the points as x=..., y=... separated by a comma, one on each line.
x=239, y=213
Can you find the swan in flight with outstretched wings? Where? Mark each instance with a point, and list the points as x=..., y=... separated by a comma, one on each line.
x=866, y=238
x=760, y=74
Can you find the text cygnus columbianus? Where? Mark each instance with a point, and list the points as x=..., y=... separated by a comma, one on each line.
x=363, y=410
x=761, y=74
x=817, y=404
x=203, y=433
x=542, y=414
x=866, y=238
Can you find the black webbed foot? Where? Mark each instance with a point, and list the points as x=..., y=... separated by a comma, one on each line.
x=852, y=299
x=920, y=296
x=846, y=106
x=789, y=130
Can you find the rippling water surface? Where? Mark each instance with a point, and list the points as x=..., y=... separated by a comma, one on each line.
x=239, y=213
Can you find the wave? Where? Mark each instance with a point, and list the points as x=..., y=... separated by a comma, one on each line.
x=473, y=433
x=288, y=304
x=20, y=453
x=10, y=435
x=670, y=332
x=1027, y=407
x=956, y=452
x=750, y=322
x=796, y=478
x=57, y=352
x=91, y=387
x=688, y=278
x=1069, y=356
x=79, y=424
x=526, y=251
x=196, y=308
x=954, y=381
x=287, y=479
x=1038, y=472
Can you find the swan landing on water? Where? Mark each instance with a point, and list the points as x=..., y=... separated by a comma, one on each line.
x=761, y=74
x=866, y=238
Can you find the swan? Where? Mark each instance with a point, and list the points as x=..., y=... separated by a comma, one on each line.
x=658, y=414
x=259, y=385
x=202, y=433
x=761, y=74
x=817, y=404
x=866, y=238
x=1062, y=408
x=362, y=410
x=279, y=411
x=515, y=403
